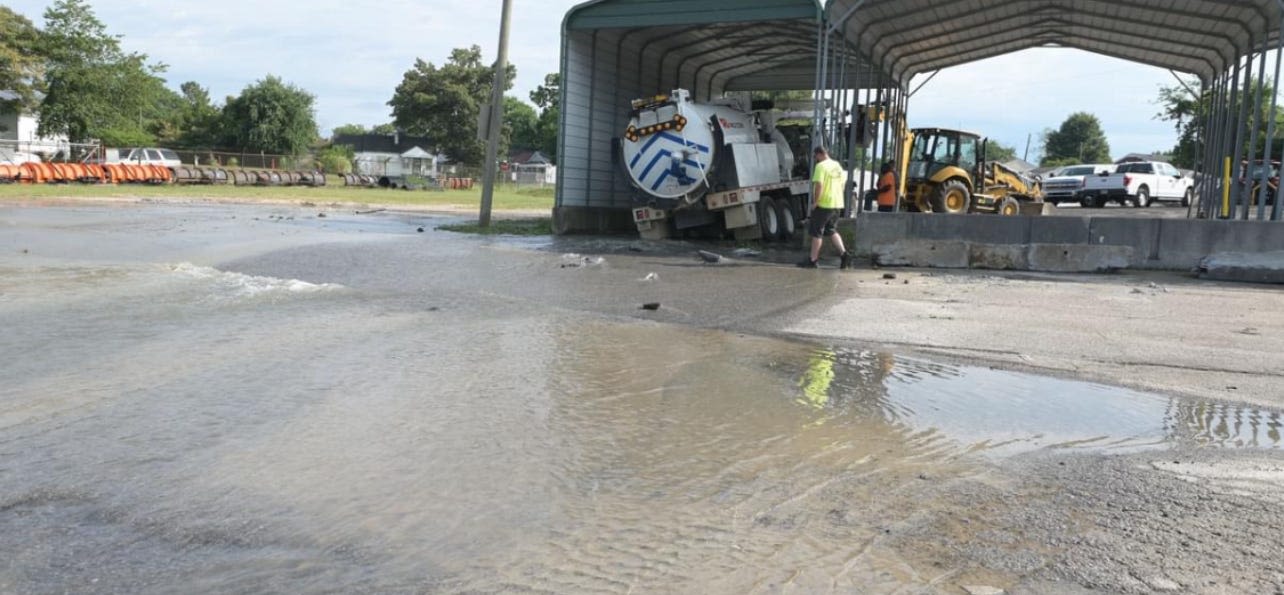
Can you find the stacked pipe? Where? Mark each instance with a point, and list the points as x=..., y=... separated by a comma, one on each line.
x=10, y=174
x=129, y=173
x=360, y=180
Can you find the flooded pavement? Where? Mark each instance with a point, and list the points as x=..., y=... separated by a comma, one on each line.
x=249, y=399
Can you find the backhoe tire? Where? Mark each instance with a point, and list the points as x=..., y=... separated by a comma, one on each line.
x=1142, y=200
x=951, y=197
x=1009, y=206
x=788, y=221
x=768, y=219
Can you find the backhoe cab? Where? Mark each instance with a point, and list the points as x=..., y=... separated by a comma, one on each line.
x=940, y=169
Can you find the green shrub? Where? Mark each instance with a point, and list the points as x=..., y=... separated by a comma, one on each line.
x=336, y=159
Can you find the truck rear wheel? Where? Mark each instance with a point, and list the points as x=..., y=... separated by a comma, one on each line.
x=1142, y=200
x=768, y=219
x=788, y=222
x=1188, y=197
x=951, y=197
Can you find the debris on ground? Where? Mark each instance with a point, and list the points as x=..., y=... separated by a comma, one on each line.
x=650, y=277
x=421, y=230
x=320, y=215
x=575, y=261
x=710, y=257
x=652, y=306
x=746, y=253
x=371, y=211
x=889, y=276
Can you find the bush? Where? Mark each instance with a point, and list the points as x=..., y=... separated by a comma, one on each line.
x=336, y=159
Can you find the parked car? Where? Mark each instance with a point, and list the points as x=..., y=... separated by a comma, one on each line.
x=1139, y=184
x=1065, y=183
x=17, y=157
x=1254, y=176
x=142, y=155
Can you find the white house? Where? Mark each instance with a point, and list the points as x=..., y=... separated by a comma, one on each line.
x=18, y=132
x=394, y=156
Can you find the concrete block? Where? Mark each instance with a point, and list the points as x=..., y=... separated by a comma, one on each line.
x=999, y=257
x=1038, y=208
x=1262, y=267
x=592, y=220
x=980, y=228
x=872, y=229
x=1141, y=234
x=1079, y=258
x=937, y=254
x=1059, y=230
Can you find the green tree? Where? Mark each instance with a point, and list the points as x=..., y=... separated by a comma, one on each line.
x=94, y=89
x=997, y=151
x=443, y=102
x=22, y=64
x=1188, y=109
x=387, y=129
x=549, y=94
x=548, y=97
x=1079, y=138
x=521, y=125
x=336, y=159
x=350, y=129
x=196, y=120
x=270, y=116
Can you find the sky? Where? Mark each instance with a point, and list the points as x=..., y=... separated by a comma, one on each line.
x=352, y=55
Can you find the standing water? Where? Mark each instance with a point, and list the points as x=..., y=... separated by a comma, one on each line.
x=401, y=413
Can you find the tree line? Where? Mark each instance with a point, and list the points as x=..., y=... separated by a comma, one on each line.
x=75, y=76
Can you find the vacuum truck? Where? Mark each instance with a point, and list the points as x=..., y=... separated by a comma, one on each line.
x=717, y=166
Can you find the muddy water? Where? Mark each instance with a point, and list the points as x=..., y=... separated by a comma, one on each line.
x=340, y=406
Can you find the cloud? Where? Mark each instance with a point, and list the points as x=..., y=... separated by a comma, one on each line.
x=352, y=56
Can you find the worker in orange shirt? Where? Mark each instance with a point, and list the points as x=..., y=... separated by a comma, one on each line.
x=887, y=188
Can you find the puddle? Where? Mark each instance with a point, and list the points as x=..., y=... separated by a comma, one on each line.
x=1004, y=413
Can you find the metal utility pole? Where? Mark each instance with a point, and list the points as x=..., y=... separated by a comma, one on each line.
x=496, y=117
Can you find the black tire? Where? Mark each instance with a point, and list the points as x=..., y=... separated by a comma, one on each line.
x=1086, y=203
x=1008, y=207
x=1188, y=197
x=788, y=221
x=951, y=197
x=1142, y=200
x=768, y=219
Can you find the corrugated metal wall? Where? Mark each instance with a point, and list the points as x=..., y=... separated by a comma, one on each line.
x=603, y=71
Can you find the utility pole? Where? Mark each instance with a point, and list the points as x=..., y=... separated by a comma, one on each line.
x=1028, y=138
x=496, y=117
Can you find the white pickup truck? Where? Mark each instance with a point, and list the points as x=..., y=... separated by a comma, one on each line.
x=1140, y=184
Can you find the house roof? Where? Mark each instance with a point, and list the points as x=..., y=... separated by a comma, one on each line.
x=383, y=143
x=417, y=153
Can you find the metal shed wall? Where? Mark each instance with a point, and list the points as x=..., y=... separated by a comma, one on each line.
x=614, y=51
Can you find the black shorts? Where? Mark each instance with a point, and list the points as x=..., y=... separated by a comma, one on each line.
x=886, y=209
x=822, y=222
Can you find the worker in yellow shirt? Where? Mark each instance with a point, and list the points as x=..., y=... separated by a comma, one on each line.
x=827, y=205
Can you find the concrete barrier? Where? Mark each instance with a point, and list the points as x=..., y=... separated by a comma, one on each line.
x=1266, y=267
x=1061, y=243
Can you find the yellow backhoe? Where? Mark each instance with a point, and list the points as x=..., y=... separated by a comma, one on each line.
x=939, y=171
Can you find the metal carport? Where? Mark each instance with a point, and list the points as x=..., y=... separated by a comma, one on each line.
x=617, y=50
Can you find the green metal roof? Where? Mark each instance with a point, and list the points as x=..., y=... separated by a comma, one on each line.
x=607, y=14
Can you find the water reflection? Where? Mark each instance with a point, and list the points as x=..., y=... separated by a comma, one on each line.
x=1007, y=413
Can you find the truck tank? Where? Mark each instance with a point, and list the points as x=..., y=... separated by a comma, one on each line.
x=676, y=150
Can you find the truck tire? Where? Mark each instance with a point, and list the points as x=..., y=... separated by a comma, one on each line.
x=1188, y=197
x=768, y=219
x=788, y=222
x=1008, y=206
x=1142, y=200
x=951, y=197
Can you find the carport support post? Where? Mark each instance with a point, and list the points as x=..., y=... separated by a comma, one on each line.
x=496, y=117
x=854, y=189
x=1228, y=140
x=1257, y=122
x=1212, y=147
x=1270, y=126
x=1237, y=189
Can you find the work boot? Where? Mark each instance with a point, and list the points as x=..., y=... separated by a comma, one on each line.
x=845, y=262
x=807, y=264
